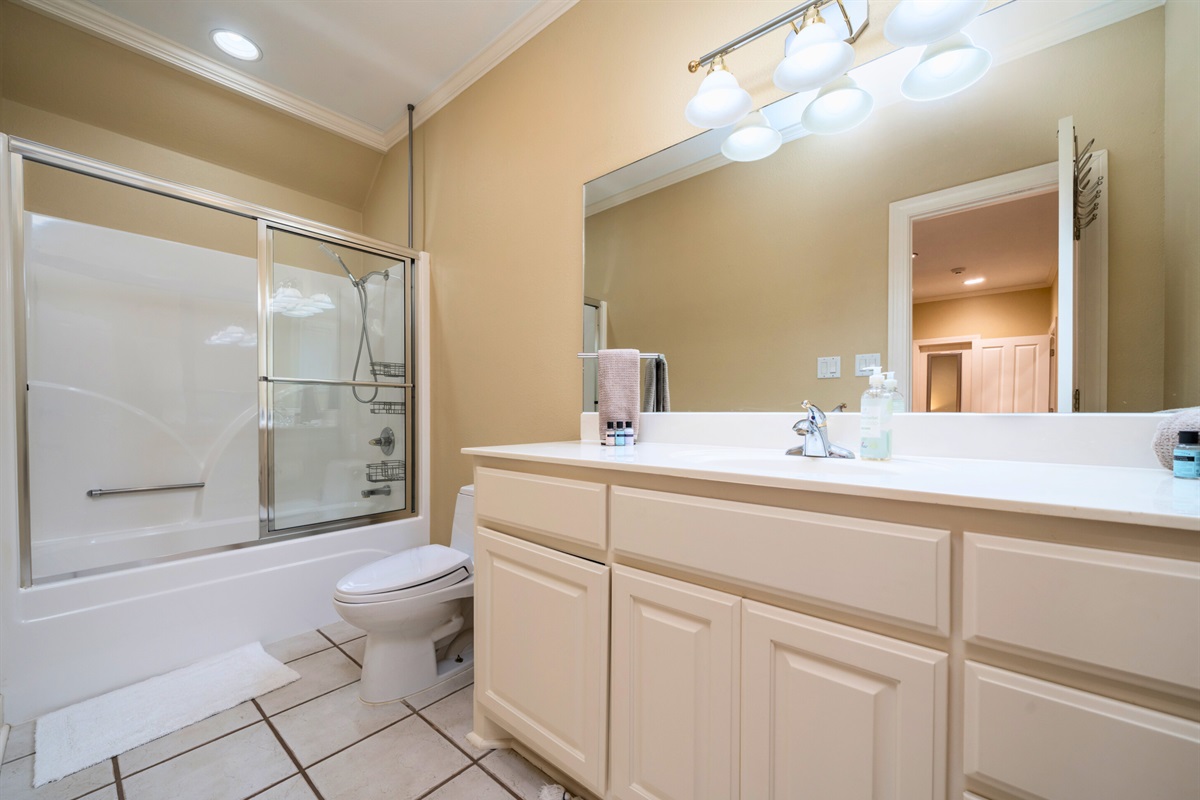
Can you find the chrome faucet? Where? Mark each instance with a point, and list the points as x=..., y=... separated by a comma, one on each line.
x=816, y=436
x=386, y=491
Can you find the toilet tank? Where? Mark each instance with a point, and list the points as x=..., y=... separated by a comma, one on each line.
x=462, y=532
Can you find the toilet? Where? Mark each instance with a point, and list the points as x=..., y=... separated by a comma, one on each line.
x=416, y=607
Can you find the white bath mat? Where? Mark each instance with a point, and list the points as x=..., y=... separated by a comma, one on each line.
x=87, y=733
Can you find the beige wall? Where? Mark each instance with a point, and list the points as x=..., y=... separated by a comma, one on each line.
x=745, y=275
x=65, y=88
x=1024, y=313
x=1182, y=169
x=501, y=170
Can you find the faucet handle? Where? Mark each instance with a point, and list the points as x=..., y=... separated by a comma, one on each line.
x=815, y=415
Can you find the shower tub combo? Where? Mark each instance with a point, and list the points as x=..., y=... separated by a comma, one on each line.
x=191, y=388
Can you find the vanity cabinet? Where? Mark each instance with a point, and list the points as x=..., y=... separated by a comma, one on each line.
x=663, y=638
x=541, y=643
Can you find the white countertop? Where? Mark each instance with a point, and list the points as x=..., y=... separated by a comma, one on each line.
x=1133, y=495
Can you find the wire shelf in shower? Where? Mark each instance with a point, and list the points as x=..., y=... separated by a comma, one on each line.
x=387, y=407
x=387, y=369
x=384, y=471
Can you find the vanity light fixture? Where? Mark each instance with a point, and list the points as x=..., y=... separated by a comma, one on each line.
x=918, y=22
x=719, y=101
x=946, y=67
x=752, y=139
x=815, y=55
x=973, y=281
x=838, y=107
x=236, y=45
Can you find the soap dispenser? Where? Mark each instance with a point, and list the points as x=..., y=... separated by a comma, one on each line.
x=876, y=420
x=897, y=399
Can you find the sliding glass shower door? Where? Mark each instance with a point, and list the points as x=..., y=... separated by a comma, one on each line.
x=192, y=372
x=337, y=386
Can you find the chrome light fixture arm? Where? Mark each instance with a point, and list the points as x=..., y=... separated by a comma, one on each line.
x=786, y=18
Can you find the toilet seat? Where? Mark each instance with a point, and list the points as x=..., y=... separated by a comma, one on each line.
x=417, y=571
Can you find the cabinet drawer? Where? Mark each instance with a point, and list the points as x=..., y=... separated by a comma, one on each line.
x=897, y=573
x=565, y=509
x=1043, y=740
x=1136, y=614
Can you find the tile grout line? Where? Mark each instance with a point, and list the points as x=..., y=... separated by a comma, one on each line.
x=266, y=789
x=316, y=792
x=184, y=752
x=347, y=655
x=433, y=789
x=446, y=735
x=359, y=741
x=309, y=700
x=117, y=778
x=496, y=778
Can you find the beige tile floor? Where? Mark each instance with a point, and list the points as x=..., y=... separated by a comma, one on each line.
x=310, y=740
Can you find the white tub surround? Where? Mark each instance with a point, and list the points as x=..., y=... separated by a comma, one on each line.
x=732, y=622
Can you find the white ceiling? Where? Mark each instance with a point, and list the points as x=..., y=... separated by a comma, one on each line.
x=351, y=66
x=1011, y=245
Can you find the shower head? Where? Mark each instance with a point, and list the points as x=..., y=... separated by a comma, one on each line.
x=338, y=259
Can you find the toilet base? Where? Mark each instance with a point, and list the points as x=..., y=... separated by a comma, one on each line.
x=396, y=666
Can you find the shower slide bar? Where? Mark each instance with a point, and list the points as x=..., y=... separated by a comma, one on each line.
x=139, y=489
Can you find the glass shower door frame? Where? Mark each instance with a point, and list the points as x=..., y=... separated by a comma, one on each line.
x=14, y=152
x=267, y=379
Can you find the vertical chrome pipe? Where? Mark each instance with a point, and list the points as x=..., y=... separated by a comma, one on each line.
x=411, y=107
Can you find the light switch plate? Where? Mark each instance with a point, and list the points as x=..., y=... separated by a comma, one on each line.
x=863, y=363
x=829, y=367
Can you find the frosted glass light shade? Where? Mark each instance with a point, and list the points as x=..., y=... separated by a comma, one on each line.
x=917, y=22
x=946, y=67
x=752, y=139
x=815, y=56
x=837, y=108
x=719, y=101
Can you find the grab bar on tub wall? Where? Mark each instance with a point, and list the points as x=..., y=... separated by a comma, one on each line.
x=137, y=489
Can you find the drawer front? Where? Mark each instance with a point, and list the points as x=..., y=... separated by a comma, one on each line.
x=1132, y=613
x=1047, y=741
x=896, y=573
x=565, y=509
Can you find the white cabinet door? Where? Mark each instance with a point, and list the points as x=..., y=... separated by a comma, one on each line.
x=834, y=713
x=675, y=668
x=541, y=645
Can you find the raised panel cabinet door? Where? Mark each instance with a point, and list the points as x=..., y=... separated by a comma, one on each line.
x=541, y=650
x=831, y=712
x=675, y=669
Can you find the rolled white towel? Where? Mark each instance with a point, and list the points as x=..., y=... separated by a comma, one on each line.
x=1167, y=435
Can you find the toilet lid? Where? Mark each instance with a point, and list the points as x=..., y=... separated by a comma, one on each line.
x=410, y=568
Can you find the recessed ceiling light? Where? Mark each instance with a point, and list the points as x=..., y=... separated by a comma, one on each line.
x=973, y=281
x=236, y=45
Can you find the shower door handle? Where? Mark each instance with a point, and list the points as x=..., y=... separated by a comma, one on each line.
x=139, y=489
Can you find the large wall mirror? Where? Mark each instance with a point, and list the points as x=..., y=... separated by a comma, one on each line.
x=745, y=274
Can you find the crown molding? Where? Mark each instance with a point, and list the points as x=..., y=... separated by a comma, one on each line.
x=504, y=45
x=1024, y=287
x=98, y=22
